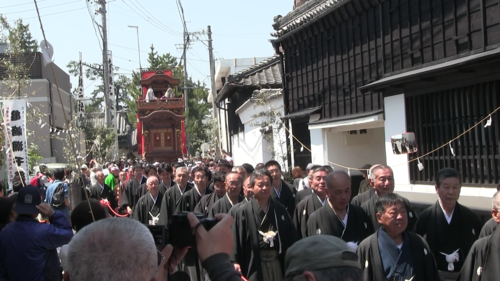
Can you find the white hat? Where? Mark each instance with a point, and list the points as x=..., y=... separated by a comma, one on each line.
x=84, y=167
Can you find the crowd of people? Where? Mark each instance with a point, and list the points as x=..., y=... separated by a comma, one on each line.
x=268, y=229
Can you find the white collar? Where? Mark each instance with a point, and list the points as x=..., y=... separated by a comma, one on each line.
x=181, y=191
x=324, y=200
x=343, y=221
x=197, y=190
x=448, y=218
x=102, y=186
x=278, y=192
x=154, y=199
x=229, y=199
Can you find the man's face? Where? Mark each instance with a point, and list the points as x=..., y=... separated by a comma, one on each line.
x=181, y=177
x=394, y=219
x=318, y=183
x=200, y=179
x=275, y=173
x=233, y=184
x=115, y=173
x=166, y=176
x=384, y=181
x=223, y=169
x=339, y=191
x=449, y=191
x=130, y=172
x=153, y=185
x=247, y=188
x=99, y=176
x=220, y=188
x=262, y=187
x=138, y=173
x=152, y=172
x=122, y=176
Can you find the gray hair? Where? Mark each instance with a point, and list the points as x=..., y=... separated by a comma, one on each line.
x=181, y=168
x=237, y=168
x=377, y=167
x=103, y=249
x=325, y=169
x=496, y=201
x=341, y=273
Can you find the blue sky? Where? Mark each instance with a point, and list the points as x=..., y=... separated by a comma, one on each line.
x=240, y=29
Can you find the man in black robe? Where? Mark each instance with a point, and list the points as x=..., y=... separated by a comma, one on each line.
x=172, y=197
x=233, y=195
x=392, y=253
x=481, y=263
x=165, y=172
x=207, y=201
x=100, y=190
x=190, y=199
x=147, y=209
x=262, y=232
x=305, y=193
x=365, y=195
x=337, y=217
x=312, y=203
x=247, y=192
x=131, y=192
x=382, y=181
x=282, y=191
x=490, y=226
x=449, y=228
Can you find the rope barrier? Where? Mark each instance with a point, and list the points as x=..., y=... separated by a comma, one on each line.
x=105, y=203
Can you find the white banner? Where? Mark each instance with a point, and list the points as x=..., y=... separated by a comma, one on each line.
x=111, y=92
x=80, y=111
x=15, y=147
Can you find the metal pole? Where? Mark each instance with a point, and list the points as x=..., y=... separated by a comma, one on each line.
x=102, y=11
x=138, y=45
x=213, y=89
x=186, y=107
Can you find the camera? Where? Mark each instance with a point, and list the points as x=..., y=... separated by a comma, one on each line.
x=180, y=233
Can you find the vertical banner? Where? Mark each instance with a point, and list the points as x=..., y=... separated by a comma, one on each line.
x=111, y=93
x=14, y=140
x=139, y=137
x=183, y=139
x=81, y=100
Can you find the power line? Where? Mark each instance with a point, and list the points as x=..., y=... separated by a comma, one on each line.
x=52, y=14
x=157, y=21
x=21, y=4
x=31, y=10
x=152, y=23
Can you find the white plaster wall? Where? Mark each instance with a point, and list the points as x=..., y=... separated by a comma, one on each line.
x=356, y=150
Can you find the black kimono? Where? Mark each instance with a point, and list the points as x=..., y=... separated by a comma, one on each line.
x=303, y=194
x=170, y=201
x=190, y=199
x=206, y=203
x=130, y=194
x=424, y=266
x=482, y=262
x=363, y=197
x=325, y=222
x=96, y=192
x=442, y=237
x=285, y=198
x=369, y=207
x=248, y=242
x=235, y=208
x=303, y=211
x=488, y=228
x=146, y=210
x=223, y=206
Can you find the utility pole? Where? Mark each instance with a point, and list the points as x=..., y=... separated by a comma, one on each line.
x=186, y=108
x=213, y=89
x=102, y=11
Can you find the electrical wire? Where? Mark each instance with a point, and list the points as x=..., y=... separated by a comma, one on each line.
x=146, y=12
x=152, y=23
x=63, y=12
x=31, y=10
x=20, y=4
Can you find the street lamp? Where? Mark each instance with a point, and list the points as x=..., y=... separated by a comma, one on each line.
x=138, y=46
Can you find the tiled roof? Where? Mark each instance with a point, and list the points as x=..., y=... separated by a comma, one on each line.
x=266, y=74
x=302, y=15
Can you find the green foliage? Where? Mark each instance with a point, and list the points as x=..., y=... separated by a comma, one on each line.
x=33, y=156
x=196, y=128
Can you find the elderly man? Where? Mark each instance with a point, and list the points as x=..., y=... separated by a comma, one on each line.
x=190, y=199
x=392, y=253
x=233, y=195
x=365, y=195
x=147, y=209
x=111, y=178
x=305, y=193
x=133, y=254
x=338, y=217
x=307, y=206
x=27, y=247
x=263, y=232
x=282, y=191
x=490, y=226
x=382, y=182
x=449, y=228
x=248, y=192
x=172, y=198
x=102, y=191
x=307, y=259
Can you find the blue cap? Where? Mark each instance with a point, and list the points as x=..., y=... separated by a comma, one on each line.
x=27, y=200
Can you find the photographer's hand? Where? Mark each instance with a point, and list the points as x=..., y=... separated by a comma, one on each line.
x=218, y=240
x=170, y=261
